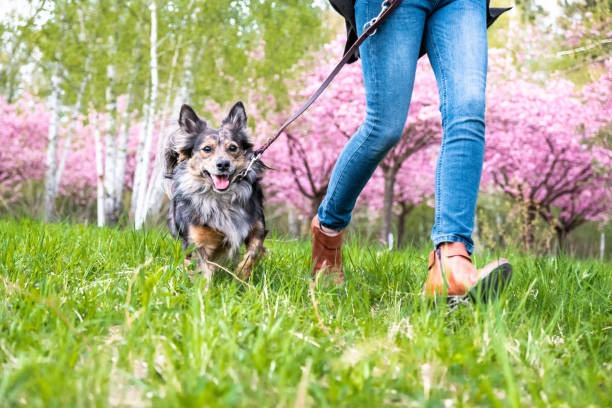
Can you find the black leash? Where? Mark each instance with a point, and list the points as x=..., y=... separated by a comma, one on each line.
x=388, y=6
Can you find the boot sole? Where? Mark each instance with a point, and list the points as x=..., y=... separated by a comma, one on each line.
x=487, y=289
x=491, y=286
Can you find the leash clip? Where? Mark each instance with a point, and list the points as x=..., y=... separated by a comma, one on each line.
x=384, y=6
x=255, y=157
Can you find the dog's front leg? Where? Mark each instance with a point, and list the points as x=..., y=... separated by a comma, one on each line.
x=254, y=250
x=208, y=243
x=204, y=267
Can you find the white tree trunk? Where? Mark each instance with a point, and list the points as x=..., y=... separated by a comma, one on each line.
x=141, y=192
x=155, y=191
x=168, y=108
x=99, y=174
x=50, y=179
x=139, y=159
x=121, y=154
x=110, y=149
x=183, y=94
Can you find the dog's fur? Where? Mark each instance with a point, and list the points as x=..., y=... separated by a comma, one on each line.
x=216, y=198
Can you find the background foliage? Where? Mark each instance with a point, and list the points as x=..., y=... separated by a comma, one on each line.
x=547, y=170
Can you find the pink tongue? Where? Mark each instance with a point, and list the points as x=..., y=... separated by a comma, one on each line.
x=221, y=182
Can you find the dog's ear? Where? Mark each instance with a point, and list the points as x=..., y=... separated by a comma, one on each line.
x=180, y=143
x=190, y=122
x=236, y=122
x=237, y=118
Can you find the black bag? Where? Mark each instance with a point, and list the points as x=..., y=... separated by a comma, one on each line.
x=346, y=8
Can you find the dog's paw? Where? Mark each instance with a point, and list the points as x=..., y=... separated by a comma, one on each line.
x=245, y=268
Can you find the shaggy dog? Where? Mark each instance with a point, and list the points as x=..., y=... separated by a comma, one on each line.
x=216, y=200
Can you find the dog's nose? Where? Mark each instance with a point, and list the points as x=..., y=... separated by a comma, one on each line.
x=223, y=165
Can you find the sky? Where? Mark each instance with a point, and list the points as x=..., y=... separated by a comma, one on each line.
x=8, y=8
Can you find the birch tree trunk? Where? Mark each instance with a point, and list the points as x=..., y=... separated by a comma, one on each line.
x=140, y=190
x=50, y=179
x=110, y=150
x=155, y=191
x=183, y=93
x=99, y=174
x=168, y=108
x=139, y=152
x=121, y=153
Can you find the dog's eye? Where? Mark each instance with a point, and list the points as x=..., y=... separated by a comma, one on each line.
x=233, y=148
x=207, y=149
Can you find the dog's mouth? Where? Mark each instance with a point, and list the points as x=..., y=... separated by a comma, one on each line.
x=221, y=181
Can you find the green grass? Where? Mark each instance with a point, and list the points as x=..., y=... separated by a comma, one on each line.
x=104, y=317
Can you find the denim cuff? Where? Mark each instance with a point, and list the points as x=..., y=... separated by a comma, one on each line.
x=438, y=239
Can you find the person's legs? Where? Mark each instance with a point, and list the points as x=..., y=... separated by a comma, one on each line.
x=456, y=42
x=389, y=63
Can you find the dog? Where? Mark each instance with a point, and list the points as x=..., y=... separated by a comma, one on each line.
x=216, y=199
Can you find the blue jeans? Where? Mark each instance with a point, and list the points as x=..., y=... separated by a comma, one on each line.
x=456, y=41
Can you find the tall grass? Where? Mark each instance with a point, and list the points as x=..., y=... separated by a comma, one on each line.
x=107, y=317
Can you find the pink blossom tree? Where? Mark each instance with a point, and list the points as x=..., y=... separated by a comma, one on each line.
x=23, y=136
x=541, y=150
x=592, y=201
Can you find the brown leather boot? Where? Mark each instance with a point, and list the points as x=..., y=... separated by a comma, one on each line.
x=326, y=253
x=452, y=274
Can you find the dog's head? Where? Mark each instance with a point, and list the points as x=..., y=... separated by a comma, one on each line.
x=216, y=157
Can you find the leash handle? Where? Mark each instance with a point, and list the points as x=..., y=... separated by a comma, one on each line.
x=387, y=7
